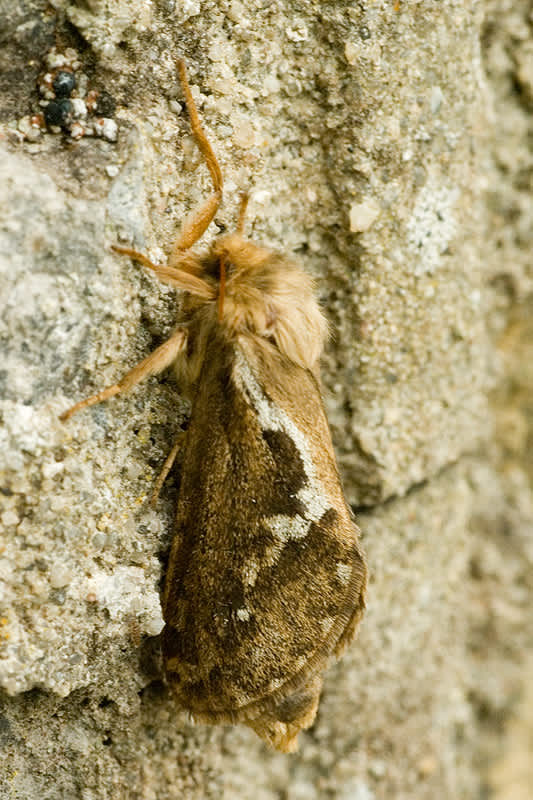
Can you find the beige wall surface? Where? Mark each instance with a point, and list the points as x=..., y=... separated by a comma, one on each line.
x=386, y=146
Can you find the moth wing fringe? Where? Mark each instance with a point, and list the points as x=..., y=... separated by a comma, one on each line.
x=257, y=714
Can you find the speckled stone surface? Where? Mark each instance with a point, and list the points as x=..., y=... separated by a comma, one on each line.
x=387, y=147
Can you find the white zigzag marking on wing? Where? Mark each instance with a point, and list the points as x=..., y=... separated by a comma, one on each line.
x=272, y=417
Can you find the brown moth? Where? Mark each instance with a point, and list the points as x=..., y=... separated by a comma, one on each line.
x=266, y=579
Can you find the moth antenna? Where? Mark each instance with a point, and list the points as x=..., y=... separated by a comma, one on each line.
x=242, y=212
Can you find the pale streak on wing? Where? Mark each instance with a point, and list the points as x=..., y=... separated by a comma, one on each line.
x=270, y=416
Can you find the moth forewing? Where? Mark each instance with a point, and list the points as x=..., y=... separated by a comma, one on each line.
x=266, y=580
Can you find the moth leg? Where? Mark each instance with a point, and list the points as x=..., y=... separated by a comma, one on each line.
x=156, y=362
x=178, y=278
x=243, y=205
x=167, y=466
x=197, y=224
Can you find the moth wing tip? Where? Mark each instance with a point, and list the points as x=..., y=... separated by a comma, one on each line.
x=282, y=737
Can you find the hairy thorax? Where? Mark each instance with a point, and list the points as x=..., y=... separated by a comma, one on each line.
x=266, y=297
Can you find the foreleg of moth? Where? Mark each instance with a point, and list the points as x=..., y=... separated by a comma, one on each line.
x=194, y=227
x=156, y=362
x=177, y=278
x=243, y=205
x=197, y=224
x=167, y=466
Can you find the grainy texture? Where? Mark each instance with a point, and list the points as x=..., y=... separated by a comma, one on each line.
x=411, y=128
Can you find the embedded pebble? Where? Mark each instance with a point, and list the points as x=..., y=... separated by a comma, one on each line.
x=77, y=130
x=79, y=108
x=106, y=128
x=60, y=576
x=58, y=112
x=363, y=215
x=68, y=104
x=64, y=83
x=10, y=518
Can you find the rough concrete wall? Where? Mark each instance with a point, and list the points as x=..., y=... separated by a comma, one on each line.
x=387, y=146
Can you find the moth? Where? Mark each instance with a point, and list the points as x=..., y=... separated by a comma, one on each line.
x=266, y=578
